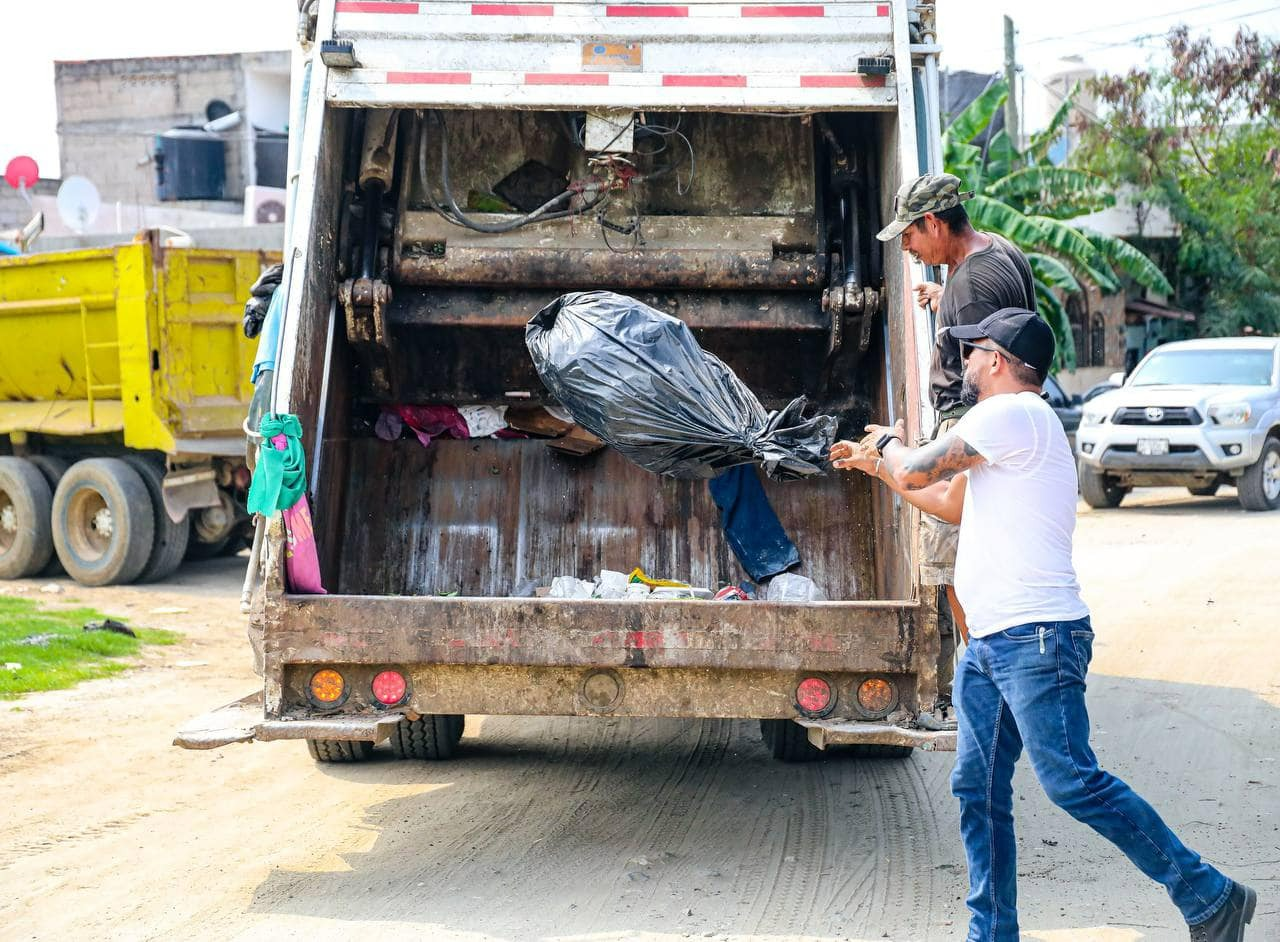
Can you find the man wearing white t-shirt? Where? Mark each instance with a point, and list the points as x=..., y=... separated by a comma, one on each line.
x=1005, y=473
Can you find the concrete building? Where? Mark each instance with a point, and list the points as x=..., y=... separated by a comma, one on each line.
x=115, y=126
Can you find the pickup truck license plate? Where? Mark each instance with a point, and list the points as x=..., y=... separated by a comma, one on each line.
x=1153, y=446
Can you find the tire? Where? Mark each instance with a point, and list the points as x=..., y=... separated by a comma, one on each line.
x=103, y=522
x=1205, y=490
x=788, y=741
x=169, y=547
x=1259, y=486
x=875, y=750
x=339, y=750
x=53, y=468
x=1097, y=491
x=198, y=550
x=26, y=501
x=431, y=737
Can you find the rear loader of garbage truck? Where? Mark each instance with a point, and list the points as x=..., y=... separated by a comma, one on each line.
x=458, y=171
x=124, y=379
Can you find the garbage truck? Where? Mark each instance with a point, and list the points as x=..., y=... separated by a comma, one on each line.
x=124, y=380
x=454, y=168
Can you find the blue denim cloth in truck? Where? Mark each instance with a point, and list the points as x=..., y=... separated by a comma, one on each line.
x=752, y=528
x=1024, y=687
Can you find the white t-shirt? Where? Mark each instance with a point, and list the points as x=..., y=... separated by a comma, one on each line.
x=1013, y=562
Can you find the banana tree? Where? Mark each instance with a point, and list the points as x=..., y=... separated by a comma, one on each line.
x=1022, y=196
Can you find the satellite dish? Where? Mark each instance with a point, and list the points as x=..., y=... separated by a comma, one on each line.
x=22, y=173
x=78, y=203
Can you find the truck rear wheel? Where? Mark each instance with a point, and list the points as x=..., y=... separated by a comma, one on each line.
x=26, y=500
x=434, y=736
x=1259, y=486
x=788, y=741
x=53, y=468
x=103, y=522
x=170, y=545
x=339, y=750
x=1098, y=490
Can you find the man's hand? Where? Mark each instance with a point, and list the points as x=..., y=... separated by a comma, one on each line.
x=929, y=294
x=854, y=456
x=874, y=432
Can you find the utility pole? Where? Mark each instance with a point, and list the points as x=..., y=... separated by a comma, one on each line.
x=1011, y=79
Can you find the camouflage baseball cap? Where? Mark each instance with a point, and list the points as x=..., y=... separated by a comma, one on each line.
x=930, y=193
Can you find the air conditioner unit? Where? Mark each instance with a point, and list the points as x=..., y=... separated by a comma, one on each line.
x=263, y=205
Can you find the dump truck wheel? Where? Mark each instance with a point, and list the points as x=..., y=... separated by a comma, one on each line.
x=434, y=736
x=339, y=750
x=1259, y=486
x=170, y=545
x=788, y=741
x=1099, y=492
x=53, y=468
x=26, y=501
x=103, y=522
x=876, y=750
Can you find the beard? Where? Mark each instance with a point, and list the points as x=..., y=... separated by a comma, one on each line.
x=969, y=390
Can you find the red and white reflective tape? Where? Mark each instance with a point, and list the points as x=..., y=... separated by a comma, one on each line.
x=624, y=11
x=638, y=79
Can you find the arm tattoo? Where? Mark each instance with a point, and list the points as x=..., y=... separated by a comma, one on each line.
x=940, y=460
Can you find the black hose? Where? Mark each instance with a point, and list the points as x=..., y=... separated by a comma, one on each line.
x=455, y=214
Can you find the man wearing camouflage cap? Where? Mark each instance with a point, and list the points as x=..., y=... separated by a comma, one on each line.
x=985, y=274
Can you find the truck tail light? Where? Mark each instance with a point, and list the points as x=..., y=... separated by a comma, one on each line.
x=389, y=687
x=813, y=696
x=327, y=686
x=877, y=696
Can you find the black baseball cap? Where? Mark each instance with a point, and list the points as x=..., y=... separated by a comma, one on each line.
x=1023, y=333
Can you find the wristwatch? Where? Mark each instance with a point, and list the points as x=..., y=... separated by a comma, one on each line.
x=883, y=441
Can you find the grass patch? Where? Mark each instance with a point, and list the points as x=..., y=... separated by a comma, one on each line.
x=64, y=653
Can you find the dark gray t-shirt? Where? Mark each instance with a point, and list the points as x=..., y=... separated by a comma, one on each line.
x=990, y=279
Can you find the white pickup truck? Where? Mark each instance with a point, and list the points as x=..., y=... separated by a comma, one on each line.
x=1199, y=414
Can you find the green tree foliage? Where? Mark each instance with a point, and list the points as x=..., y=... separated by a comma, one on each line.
x=1198, y=136
x=1028, y=200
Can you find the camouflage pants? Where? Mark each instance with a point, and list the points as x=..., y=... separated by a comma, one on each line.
x=938, y=539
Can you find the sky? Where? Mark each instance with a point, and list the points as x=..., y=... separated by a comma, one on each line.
x=1108, y=35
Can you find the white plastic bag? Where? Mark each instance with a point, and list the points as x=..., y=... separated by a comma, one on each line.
x=793, y=587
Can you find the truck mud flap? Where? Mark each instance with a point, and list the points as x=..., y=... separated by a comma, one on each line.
x=242, y=721
x=824, y=733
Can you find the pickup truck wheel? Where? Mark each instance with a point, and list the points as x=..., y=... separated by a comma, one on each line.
x=26, y=540
x=788, y=741
x=1205, y=490
x=1259, y=486
x=339, y=750
x=170, y=545
x=103, y=522
x=434, y=736
x=1098, y=491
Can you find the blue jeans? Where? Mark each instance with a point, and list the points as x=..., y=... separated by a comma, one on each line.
x=1025, y=686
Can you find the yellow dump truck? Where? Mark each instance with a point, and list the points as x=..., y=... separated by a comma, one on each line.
x=124, y=381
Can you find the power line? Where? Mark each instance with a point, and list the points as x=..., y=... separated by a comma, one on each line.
x=1145, y=19
x=1142, y=38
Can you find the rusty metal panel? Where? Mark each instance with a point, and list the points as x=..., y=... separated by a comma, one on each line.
x=707, y=269
x=495, y=518
x=833, y=636
x=578, y=691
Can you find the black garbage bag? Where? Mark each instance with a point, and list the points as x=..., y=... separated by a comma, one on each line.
x=636, y=378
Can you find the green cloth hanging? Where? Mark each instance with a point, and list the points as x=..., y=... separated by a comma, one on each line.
x=280, y=478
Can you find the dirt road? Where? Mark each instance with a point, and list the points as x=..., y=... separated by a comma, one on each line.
x=577, y=829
